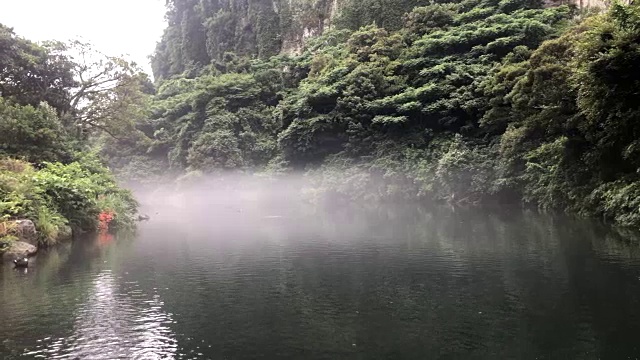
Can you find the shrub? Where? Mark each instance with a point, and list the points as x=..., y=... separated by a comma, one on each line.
x=50, y=225
x=121, y=206
x=58, y=196
x=32, y=133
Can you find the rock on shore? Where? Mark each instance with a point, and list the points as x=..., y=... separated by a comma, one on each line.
x=27, y=240
x=25, y=230
x=18, y=250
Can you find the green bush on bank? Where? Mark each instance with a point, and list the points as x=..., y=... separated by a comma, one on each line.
x=58, y=195
x=32, y=133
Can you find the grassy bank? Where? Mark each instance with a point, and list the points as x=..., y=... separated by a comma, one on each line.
x=58, y=197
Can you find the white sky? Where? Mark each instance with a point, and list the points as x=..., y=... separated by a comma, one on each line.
x=115, y=27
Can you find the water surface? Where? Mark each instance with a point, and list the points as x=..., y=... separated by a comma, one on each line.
x=392, y=282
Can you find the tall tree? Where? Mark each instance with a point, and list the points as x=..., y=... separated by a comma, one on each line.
x=32, y=73
x=110, y=95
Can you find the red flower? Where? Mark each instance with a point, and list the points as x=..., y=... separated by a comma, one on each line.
x=104, y=219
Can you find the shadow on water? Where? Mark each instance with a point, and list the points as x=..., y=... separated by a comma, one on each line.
x=242, y=280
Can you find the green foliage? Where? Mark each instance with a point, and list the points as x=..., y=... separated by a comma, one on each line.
x=466, y=172
x=382, y=88
x=571, y=130
x=33, y=133
x=122, y=205
x=58, y=97
x=618, y=200
x=111, y=97
x=215, y=150
x=607, y=83
x=60, y=195
x=5, y=242
x=6, y=233
x=202, y=33
x=219, y=120
x=74, y=190
x=388, y=14
x=430, y=18
x=18, y=194
x=468, y=102
x=53, y=101
x=31, y=74
x=50, y=225
x=21, y=197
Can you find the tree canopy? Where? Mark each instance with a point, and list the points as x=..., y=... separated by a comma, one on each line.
x=56, y=100
x=470, y=101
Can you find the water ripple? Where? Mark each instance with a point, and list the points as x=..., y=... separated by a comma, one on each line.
x=114, y=325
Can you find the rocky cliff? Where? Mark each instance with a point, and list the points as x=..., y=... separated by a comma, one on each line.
x=202, y=32
x=583, y=4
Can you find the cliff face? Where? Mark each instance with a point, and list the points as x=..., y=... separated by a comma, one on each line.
x=582, y=4
x=307, y=20
x=201, y=32
x=602, y=4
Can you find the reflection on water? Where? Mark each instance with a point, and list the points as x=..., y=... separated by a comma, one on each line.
x=383, y=283
x=114, y=324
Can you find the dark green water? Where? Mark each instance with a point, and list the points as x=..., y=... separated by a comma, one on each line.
x=386, y=283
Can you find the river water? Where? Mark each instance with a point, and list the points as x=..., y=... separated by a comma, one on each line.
x=387, y=282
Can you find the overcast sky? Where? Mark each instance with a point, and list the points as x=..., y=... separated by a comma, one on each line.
x=115, y=27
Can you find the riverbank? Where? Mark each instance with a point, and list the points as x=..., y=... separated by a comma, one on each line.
x=20, y=239
x=44, y=205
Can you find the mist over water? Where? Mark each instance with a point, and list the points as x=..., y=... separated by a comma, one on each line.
x=244, y=268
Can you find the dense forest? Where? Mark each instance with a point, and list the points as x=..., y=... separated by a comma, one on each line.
x=472, y=102
x=56, y=101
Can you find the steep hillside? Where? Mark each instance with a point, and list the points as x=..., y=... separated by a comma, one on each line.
x=200, y=32
x=472, y=102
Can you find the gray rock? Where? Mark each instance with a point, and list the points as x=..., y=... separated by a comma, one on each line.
x=25, y=230
x=19, y=250
x=65, y=233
